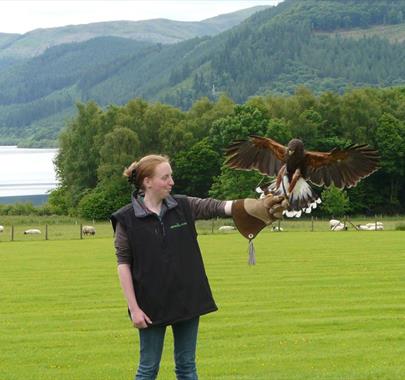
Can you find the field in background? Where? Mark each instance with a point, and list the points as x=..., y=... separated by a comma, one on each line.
x=327, y=306
x=65, y=228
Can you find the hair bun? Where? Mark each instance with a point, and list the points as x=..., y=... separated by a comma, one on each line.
x=132, y=177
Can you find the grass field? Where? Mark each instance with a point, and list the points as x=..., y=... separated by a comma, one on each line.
x=316, y=306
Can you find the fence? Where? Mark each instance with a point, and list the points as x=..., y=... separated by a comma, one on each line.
x=73, y=231
x=53, y=232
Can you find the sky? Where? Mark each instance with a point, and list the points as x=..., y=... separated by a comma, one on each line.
x=21, y=16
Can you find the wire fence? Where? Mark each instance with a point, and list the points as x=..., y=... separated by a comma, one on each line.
x=75, y=231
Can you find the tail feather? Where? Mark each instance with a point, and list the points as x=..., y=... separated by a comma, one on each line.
x=302, y=199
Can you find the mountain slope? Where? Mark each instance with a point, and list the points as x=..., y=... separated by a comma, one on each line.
x=162, y=31
x=273, y=50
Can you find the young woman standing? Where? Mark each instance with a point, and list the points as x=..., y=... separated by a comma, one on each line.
x=160, y=266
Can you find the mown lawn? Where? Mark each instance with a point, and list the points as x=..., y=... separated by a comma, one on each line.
x=316, y=306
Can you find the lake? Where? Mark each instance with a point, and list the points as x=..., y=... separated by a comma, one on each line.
x=26, y=171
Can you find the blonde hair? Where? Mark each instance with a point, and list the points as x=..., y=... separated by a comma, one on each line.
x=143, y=168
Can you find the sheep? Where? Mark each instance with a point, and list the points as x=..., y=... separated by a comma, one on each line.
x=32, y=231
x=226, y=228
x=339, y=227
x=1, y=228
x=333, y=222
x=378, y=226
x=277, y=229
x=88, y=230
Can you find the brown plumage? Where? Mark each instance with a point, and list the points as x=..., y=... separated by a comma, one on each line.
x=292, y=164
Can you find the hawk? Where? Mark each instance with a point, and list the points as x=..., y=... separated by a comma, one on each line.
x=293, y=166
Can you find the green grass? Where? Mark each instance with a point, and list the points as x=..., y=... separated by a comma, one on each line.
x=316, y=306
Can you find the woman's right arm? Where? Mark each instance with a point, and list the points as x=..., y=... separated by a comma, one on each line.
x=124, y=258
x=139, y=318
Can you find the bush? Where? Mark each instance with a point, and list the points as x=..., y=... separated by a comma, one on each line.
x=101, y=202
x=400, y=227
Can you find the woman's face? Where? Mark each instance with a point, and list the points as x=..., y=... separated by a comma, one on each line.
x=161, y=183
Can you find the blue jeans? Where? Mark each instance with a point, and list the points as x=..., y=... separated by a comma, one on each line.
x=151, y=346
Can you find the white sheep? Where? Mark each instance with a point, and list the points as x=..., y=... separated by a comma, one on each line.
x=88, y=230
x=378, y=226
x=277, y=229
x=333, y=222
x=337, y=225
x=1, y=228
x=32, y=231
x=226, y=228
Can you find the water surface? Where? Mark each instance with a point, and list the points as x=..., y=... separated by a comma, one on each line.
x=26, y=171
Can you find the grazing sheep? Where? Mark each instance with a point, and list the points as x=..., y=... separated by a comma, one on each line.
x=378, y=226
x=1, y=228
x=32, y=231
x=88, y=230
x=277, y=229
x=339, y=227
x=333, y=222
x=226, y=228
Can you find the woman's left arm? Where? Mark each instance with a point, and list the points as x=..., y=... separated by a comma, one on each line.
x=207, y=208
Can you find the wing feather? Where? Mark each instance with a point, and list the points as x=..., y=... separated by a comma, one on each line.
x=341, y=167
x=259, y=153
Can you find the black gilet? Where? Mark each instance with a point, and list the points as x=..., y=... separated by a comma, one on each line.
x=167, y=268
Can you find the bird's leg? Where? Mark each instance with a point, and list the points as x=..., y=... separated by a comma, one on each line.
x=296, y=176
x=280, y=175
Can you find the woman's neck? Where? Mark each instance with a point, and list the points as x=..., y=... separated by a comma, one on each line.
x=153, y=203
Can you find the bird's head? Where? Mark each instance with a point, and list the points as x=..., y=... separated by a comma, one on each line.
x=295, y=147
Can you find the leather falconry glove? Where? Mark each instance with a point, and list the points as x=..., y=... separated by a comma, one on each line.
x=252, y=215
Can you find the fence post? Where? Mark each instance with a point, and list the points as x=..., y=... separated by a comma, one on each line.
x=312, y=223
x=46, y=231
x=81, y=231
x=12, y=232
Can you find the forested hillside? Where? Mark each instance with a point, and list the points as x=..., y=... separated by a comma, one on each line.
x=275, y=50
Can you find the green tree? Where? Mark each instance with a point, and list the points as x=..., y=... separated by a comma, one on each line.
x=195, y=168
x=279, y=130
x=335, y=201
x=245, y=121
x=175, y=137
x=235, y=184
x=78, y=157
x=121, y=147
x=390, y=135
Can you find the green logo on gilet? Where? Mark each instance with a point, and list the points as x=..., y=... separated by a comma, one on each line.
x=178, y=225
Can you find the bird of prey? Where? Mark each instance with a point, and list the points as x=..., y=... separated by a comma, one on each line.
x=293, y=165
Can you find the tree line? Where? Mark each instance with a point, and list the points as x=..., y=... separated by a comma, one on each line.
x=98, y=144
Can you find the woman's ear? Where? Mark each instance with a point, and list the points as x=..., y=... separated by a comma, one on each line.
x=147, y=182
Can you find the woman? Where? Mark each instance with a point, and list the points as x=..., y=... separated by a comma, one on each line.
x=160, y=266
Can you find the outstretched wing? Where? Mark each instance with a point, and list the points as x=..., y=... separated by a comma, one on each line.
x=260, y=153
x=341, y=167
